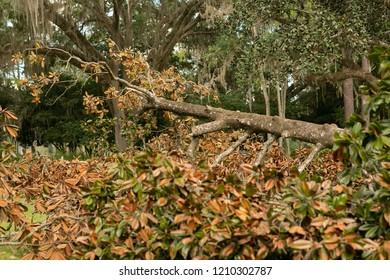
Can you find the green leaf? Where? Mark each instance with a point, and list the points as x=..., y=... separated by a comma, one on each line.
x=250, y=190
x=386, y=140
x=372, y=232
x=356, y=129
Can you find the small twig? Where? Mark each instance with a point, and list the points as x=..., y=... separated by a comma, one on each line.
x=31, y=244
x=193, y=147
x=230, y=150
x=310, y=157
x=49, y=223
x=264, y=149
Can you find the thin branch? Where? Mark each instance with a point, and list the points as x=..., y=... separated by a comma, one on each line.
x=231, y=149
x=193, y=147
x=343, y=75
x=264, y=150
x=49, y=223
x=209, y=127
x=310, y=157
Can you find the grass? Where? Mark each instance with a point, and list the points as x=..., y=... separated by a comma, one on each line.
x=13, y=252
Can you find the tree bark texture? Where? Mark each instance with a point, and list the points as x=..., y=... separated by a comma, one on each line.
x=225, y=119
x=349, y=108
x=363, y=99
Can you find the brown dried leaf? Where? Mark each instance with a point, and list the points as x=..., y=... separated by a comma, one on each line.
x=386, y=215
x=72, y=181
x=228, y=250
x=28, y=256
x=301, y=244
x=297, y=229
x=242, y=214
x=178, y=232
x=187, y=240
x=57, y=255
x=386, y=246
x=3, y=203
x=149, y=256
x=11, y=131
x=40, y=207
x=270, y=184
x=165, y=182
x=135, y=224
x=145, y=234
x=162, y=201
x=320, y=222
x=214, y=206
x=118, y=250
x=338, y=188
x=142, y=177
x=54, y=206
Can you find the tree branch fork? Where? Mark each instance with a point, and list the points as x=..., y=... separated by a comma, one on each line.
x=218, y=118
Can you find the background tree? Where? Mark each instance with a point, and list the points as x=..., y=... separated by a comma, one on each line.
x=311, y=42
x=80, y=27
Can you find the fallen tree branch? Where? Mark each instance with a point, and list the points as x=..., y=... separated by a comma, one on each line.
x=310, y=157
x=305, y=131
x=209, y=127
x=231, y=149
x=193, y=147
x=226, y=119
x=264, y=150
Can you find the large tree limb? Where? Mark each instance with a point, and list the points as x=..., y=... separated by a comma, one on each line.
x=71, y=31
x=342, y=75
x=224, y=119
x=305, y=131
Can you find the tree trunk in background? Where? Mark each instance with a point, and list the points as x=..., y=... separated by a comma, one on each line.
x=348, y=99
x=363, y=98
x=120, y=142
x=249, y=93
x=349, y=107
x=265, y=88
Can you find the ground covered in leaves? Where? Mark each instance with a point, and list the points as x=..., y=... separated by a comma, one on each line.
x=153, y=205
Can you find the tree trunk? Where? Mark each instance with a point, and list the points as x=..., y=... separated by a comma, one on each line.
x=365, y=117
x=120, y=142
x=249, y=93
x=265, y=88
x=348, y=99
x=225, y=119
x=349, y=108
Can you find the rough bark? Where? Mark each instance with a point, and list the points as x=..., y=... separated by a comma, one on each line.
x=363, y=98
x=231, y=149
x=224, y=119
x=349, y=107
x=313, y=154
x=348, y=98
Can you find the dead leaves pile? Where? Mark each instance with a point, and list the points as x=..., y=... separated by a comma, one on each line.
x=153, y=206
